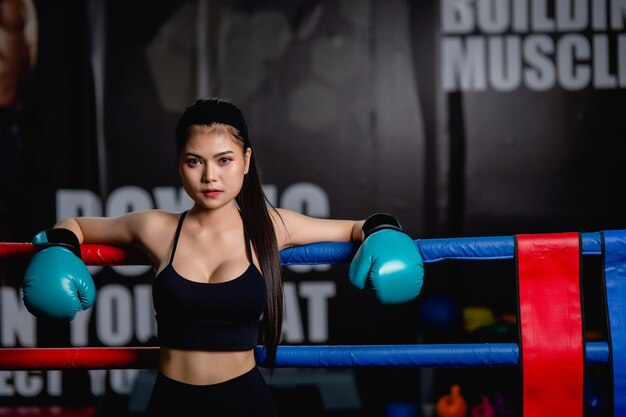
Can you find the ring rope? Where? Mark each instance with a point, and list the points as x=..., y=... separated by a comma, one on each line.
x=432, y=250
x=406, y=356
x=615, y=286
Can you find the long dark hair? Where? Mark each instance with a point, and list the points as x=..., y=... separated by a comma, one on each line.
x=253, y=205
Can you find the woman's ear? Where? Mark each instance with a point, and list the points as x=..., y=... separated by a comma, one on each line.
x=246, y=157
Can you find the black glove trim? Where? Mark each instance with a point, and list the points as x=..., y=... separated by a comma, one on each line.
x=59, y=237
x=380, y=221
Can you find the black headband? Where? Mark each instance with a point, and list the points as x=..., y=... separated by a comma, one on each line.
x=209, y=111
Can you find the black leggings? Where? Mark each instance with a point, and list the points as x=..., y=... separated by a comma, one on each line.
x=246, y=395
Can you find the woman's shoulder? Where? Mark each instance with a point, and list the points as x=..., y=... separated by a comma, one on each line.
x=286, y=224
x=148, y=227
x=156, y=215
x=155, y=231
x=154, y=221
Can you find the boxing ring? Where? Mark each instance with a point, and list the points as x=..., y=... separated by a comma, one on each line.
x=552, y=352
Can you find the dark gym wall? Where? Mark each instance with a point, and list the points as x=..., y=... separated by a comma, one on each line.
x=461, y=118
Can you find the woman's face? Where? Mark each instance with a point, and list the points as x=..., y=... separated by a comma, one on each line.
x=212, y=167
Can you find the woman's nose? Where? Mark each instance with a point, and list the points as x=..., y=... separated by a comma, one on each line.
x=209, y=174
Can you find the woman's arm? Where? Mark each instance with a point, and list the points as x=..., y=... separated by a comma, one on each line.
x=150, y=230
x=295, y=229
x=57, y=283
x=388, y=258
x=126, y=229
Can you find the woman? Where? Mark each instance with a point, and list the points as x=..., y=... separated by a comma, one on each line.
x=218, y=268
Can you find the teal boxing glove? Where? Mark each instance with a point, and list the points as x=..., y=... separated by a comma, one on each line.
x=389, y=259
x=57, y=284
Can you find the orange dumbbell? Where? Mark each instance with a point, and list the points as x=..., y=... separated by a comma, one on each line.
x=452, y=405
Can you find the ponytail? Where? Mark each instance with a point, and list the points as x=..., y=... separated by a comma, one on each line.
x=256, y=216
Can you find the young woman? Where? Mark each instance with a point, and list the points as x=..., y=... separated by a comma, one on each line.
x=217, y=268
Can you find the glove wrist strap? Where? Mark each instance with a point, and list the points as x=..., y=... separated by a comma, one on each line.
x=379, y=221
x=57, y=237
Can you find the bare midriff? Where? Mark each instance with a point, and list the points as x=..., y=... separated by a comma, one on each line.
x=201, y=367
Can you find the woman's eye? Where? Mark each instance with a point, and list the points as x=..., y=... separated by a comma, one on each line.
x=224, y=161
x=193, y=161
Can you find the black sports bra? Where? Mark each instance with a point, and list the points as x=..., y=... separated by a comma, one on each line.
x=221, y=316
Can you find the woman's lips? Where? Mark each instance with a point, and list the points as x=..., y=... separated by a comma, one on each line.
x=211, y=193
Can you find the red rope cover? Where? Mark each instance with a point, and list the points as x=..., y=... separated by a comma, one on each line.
x=79, y=358
x=551, y=324
x=92, y=254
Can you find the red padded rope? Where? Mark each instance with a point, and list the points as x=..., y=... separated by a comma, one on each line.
x=551, y=324
x=92, y=254
x=78, y=358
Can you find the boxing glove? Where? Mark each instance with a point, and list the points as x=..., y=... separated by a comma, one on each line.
x=389, y=259
x=57, y=284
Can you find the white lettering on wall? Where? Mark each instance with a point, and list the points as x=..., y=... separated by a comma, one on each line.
x=114, y=315
x=18, y=326
x=464, y=63
x=145, y=324
x=122, y=380
x=293, y=331
x=54, y=383
x=79, y=327
x=30, y=383
x=97, y=378
x=317, y=295
x=507, y=44
x=117, y=301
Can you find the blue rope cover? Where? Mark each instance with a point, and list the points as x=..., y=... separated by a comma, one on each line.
x=615, y=284
x=432, y=250
x=412, y=356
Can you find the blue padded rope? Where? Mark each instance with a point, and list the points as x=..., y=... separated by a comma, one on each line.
x=615, y=284
x=432, y=250
x=459, y=355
